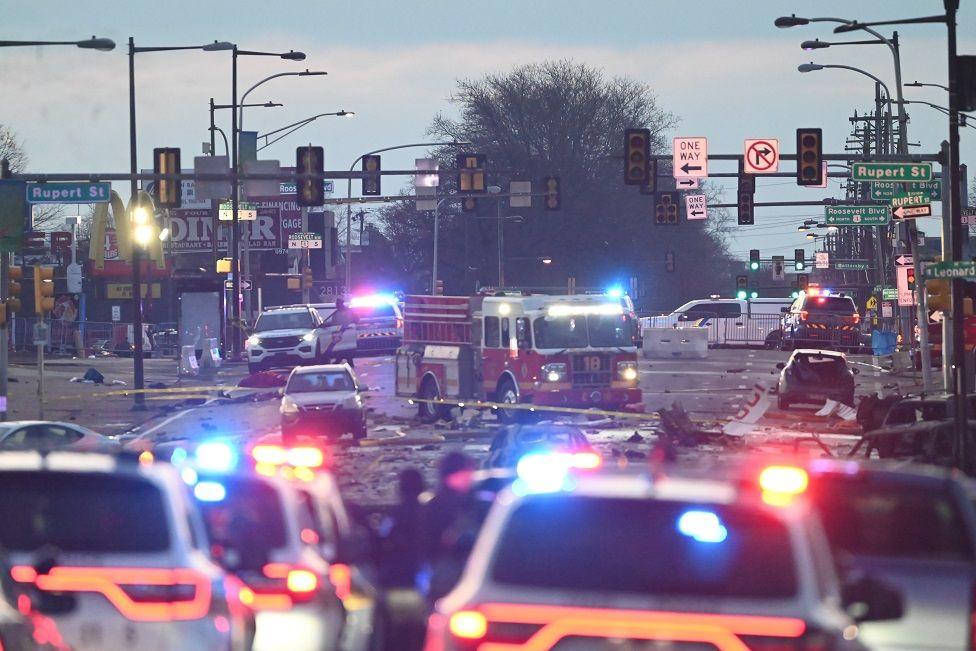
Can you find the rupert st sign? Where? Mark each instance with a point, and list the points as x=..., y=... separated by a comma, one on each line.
x=872, y=172
x=99, y=192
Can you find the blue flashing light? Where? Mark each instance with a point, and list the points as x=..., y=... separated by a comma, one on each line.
x=216, y=456
x=542, y=472
x=210, y=491
x=615, y=292
x=703, y=526
x=178, y=456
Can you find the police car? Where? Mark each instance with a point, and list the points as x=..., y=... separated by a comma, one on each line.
x=574, y=560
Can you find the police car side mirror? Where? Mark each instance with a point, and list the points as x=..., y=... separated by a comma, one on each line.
x=867, y=599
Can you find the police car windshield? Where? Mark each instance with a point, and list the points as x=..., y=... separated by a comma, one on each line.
x=83, y=512
x=320, y=381
x=637, y=546
x=595, y=330
x=284, y=321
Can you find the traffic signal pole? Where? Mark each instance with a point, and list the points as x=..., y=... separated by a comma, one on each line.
x=137, y=352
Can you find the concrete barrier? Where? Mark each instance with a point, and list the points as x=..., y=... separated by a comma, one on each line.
x=669, y=343
x=188, y=361
x=210, y=355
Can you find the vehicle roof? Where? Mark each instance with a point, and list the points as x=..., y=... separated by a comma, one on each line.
x=321, y=368
x=819, y=351
x=21, y=423
x=65, y=461
x=287, y=308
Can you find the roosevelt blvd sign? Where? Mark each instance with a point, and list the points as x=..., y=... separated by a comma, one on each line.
x=965, y=269
x=886, y=190
x=891, y=172
x=857, y=215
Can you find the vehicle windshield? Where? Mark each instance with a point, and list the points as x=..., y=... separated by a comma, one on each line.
x=872, y=517
x=320, y=381
x=822, y=366
x=120, y=514
x=561, y=542
x=832, y=304
x=284, y=321
x=248, y=520
x=594, y=330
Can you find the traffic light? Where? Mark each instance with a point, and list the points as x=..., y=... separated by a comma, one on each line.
x=799, y=259
x=910, y=278
x=742, y=287
x=803, y=282
x=779, y=267
x=310, y=167
x=307, y=278
x=14, y=275
x=669, y=261
x=637, y=153
x=753, y=259
x=809, y=157
x=746, y=194
x=937, y=294
x=795, y=286
x=371, y=184
x=168, y=192
x=666, y=208
x=651, y=186
x=471, y=179
x=552, y=200
x=43, y=290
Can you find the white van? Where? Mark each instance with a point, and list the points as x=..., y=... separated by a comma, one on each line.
x=730, y=321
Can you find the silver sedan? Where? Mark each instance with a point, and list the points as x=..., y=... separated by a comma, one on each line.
x=53, y=435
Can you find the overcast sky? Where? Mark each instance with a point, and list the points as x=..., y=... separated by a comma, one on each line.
x=721, y=67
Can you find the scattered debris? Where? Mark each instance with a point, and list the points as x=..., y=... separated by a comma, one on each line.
x=264, y=379
x=118, y=383
x=635, y=438
x=676, y=424
x=156, y=385
x=735, y=370
x=92, y=375
x=872, y=410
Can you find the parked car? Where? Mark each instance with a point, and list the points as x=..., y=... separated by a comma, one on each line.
x=814, y=376
x=116, y=554
x=821, y=320
x=53, y=435
x=322, y=401
x=285, y=336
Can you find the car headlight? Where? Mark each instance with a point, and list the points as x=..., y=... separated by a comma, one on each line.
x=308, y=336
x=288, y=406
x=555, y=372
x=254, y=340
x=627, y=371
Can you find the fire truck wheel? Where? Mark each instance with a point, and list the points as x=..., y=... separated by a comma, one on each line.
x=429, y=413
x=508, y=394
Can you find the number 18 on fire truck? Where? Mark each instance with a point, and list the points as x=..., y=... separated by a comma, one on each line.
x=535, y=350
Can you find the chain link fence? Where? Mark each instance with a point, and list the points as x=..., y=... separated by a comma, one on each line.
x=93, y=337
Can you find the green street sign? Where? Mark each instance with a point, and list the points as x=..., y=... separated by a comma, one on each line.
x=14, y=214
x=851, y=265
x=887, y=190
x=99, y=192
x=903, y=199
x=874, y=172
x=965, y=269
x=857, y=215
x=889, y=294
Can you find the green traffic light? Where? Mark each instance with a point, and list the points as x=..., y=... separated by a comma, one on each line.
x=754, y=295
x=795, y=295
x=800, y=266
x=754, y=266
x=741, y=295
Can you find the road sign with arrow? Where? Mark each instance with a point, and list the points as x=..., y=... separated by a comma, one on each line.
x=911, y=212
x=690, y=157
x=904, y=261
x=761, y=156
x=690, y=183
x=695, y=207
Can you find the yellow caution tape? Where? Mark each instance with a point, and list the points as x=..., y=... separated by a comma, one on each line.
x=481, y=404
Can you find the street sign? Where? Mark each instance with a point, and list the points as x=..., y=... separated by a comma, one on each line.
x=686, y=183
x=871, y=303
x=116, y=313
x=123, y=291
x=965, y=269
x=304, y=241
x=887, y=310
x=426, y=204
x=779, y=267
x=521, y=192
x=245, y=211
x=873, y=172
x=822, y=259
x=695, y=207
x=886, y=190
x=690, y=157
x=99, y=192
x=74, y=278
x=287, y=187
x=889, y=293
x=904, y=261
x=857, y=215
x=761, y=156
x=913, y=212
x=906, y=296
x=41, y=333
x=245, y=285
x=851, y=265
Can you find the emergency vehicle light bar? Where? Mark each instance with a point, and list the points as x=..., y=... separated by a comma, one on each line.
x=603, y=309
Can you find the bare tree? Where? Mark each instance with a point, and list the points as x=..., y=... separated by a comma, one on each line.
x=45, y=217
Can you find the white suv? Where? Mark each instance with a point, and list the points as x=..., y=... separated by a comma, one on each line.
x=116, y=554
x=286, y=336
x=583, y=562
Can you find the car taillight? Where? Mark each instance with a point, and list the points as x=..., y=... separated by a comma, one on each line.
x=282, y=586
x=804, y=314
x=468, y=625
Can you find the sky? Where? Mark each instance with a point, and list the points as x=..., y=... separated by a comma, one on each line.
x=720, y=67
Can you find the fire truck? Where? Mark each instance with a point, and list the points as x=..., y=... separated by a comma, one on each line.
x=516, y=348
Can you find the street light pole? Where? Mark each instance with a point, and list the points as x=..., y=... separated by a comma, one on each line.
x=137, y=351
x=235, y=338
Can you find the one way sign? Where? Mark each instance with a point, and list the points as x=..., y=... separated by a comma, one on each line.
x=690, y=157
x=695, y=207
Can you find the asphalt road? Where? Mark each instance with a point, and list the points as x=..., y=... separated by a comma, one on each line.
x=711, y=390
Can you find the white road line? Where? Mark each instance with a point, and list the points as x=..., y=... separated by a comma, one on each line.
x=680, y=372
x=175, y=416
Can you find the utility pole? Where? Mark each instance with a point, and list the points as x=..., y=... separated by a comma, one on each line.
x=4, y=333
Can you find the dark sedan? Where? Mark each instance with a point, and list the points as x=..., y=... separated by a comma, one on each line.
x=814, y=376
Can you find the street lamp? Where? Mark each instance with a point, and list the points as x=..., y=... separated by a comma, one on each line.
x=137, y=354
x=93, y=43
x=452, y=143
x=817, y=44
x=918, y=84
x=291, y=55
x=295, y=126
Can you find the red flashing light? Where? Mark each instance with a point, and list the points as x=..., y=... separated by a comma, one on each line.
x=587, y=460
x=856, y=318
x=781, y=484
x=468, y=625
x=804, y=315
x=340, y=576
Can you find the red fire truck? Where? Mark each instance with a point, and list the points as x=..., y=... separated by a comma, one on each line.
x=515, y=348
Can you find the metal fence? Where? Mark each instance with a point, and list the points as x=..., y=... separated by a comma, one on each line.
x=743, y=330
x=94, y=337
